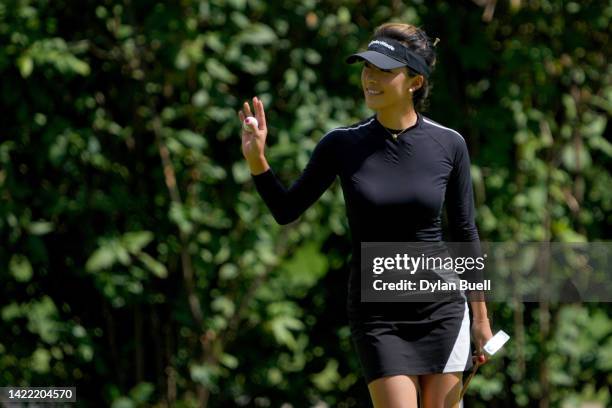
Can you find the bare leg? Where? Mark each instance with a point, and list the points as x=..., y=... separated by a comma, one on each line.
x=395, y=391
x=441, y=390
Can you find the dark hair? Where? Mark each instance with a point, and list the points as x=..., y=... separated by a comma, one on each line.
x=418, y=41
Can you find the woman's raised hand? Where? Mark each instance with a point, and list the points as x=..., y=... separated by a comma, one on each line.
x=254, y=139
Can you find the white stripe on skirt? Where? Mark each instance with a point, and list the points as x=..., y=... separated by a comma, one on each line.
x=458, y=358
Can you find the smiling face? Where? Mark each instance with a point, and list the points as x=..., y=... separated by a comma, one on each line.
x=383, y=88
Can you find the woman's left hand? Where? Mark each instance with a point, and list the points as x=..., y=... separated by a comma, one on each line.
x=481, y=333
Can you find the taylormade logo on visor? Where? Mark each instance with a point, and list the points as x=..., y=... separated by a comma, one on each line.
x=390, y=53
x=384, y=44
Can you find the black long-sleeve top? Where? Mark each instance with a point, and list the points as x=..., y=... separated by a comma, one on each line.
x=394, y=190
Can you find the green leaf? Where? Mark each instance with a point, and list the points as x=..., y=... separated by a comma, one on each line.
x=153, y=265
x=136, y=240
x=42, y=317
x=55, y=52
x=241, y=172
x=78, y=66
x=86, y=352
x=40, y=361
x=20, y=268
x=121, y=253
x=237, y=4
x=303, y=270
x=266, y=252
x=604, y=362
x=79, y=332
x=595, y=126
x=312, y=56
x=200, y=98
x=178, y=215
x=281, y=327
x=570, y=106
x=254, y=66
x=576, y=160
x=223, y=305
x=240, y=20
x=228, y=271
x=142, y=392
x=40, y=227
x=601, y=144
x=12, y=311
x=229, y=361
x=25, y=65
x=327, y=379
x=123, y=402
x=191, y=139
x=258, y=34
x=102, y=258
x=204, y=374
x=219, y=71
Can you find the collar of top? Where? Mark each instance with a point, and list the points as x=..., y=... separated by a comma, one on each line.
x=388, y=53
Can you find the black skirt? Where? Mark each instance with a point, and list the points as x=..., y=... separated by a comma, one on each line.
x=434, y=340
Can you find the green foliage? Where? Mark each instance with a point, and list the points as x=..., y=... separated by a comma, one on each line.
x=139, y=258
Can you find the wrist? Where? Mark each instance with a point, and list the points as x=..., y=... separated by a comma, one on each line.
x=258, y=166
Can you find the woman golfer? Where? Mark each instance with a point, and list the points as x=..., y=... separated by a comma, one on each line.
x=397, y=169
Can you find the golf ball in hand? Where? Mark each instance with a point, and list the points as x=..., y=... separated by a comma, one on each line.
x=249, y=123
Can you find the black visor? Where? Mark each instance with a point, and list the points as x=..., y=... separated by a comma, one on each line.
x=387, y=53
